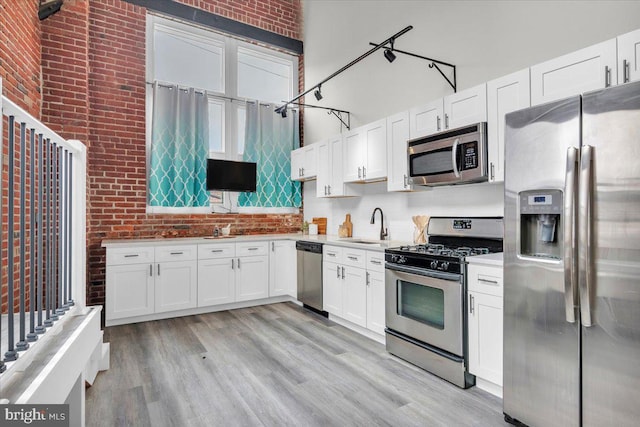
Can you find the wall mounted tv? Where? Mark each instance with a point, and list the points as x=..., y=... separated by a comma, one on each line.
x=226, y=175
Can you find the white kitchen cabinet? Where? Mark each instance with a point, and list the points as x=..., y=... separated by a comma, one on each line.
x=332, y=288
x=629, y=57
x=216, y=281
x=426, y=119
x=283, y=268
x=459, y=109
x=330, y=181
x=587, y=69
x=323, y=176
x=485, y=322
x=304, y=163
x=364, y=153
x=176, y=285
x=375, y=292
x=504, y=95
x=130, y=291
x=355, y=295
x=252, y=270
x=466, y=107
x=397, y=137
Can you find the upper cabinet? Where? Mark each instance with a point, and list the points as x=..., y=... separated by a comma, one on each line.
x=587, y=69
x=304, y=163
x=364, y=153
x=629, y=57
x=459, y=109
x=504, y=95
x=397, y=137
x=330, y=182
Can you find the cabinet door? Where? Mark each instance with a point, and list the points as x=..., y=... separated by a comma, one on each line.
x=485, y=337
x=310, y=161
x=587, y=69
x=283, y=268
x=629, y=57
x=332, y=288
x=397, y=137
x=353, y=155
x=426, y=119
x=252, y=278
x=323, y=175
x=176, y=286
x=297, y=160
x=336, y=185
x=466, y=107
x=375, y=301
x=376, y=150
x=216, y=281
x=504, y=95
x=130, y=291
x=355, y=296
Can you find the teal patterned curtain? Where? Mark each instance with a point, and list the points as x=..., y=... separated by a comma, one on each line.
x=179, y=148
x=269, y=139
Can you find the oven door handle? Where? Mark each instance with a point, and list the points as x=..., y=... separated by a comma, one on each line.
x=423, y=272
x=454, y=157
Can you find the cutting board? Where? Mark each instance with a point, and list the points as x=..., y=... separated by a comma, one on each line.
x=322, y=224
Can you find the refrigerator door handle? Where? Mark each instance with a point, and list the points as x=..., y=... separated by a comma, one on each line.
x=570, y=267
x=584, y=234
x=454, y=157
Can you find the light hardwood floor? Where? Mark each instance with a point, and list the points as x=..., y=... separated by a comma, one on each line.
x=274, y=365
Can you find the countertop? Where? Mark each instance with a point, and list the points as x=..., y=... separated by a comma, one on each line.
x=488, y=259
x=352, y=242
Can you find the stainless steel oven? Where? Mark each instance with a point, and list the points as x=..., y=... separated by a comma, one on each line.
x=455, y=156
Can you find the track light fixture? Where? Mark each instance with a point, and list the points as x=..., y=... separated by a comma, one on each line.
x=318, y=93
x=48, y=8
x=388, y=53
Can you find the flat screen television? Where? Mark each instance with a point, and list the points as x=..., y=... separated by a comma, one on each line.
x=226, y=175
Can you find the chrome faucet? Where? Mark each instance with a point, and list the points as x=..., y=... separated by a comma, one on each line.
x=383, y=231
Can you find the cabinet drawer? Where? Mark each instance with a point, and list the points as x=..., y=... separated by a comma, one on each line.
x=252, y=248
x=332, y=253
x=354, y=257
x=485, y=279
x=124, y=256
x=216, y=250
x=176, y=253
x=375, y=261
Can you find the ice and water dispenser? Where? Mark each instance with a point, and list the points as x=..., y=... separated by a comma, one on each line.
x=541, y=223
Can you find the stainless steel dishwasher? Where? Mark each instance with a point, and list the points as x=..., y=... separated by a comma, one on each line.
x=310, y=275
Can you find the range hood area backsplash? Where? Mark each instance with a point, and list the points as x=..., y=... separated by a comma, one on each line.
x=463, y=200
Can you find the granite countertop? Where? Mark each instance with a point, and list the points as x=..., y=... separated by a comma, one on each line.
x=488, y=259
x=352, y=242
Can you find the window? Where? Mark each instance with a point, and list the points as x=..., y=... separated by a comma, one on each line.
x=231, y=71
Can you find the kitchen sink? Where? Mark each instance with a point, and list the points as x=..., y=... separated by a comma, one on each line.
x=365, y=242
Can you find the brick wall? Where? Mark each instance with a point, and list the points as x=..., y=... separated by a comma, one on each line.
x=105, y=40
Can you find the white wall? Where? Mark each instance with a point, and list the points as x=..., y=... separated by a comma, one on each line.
x=484, y=39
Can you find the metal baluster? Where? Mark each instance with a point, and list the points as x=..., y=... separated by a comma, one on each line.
x=22, y=345
x=3, y=367
x=69, y=245
x=11, y=354
x=49, y=321
x=40, y=329
x=57, y=206
x=32, y=336
x=52, y=231
x=62, y=232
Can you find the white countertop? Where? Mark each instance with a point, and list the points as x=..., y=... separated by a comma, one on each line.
x=488, y=259
x=353, y=242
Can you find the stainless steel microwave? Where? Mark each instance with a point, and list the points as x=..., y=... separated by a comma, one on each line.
x=455, y=156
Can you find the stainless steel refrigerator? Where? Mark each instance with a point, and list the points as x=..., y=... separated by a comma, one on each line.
x=572, y=261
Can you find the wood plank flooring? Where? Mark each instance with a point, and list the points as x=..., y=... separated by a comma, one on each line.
x=273, y=365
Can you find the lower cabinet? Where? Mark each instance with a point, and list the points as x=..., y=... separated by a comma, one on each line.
x=332, y=288
x=355, y=296
x=375, y=301
x=216, y=281
x=252, y=278
x=176, y=285
x=130, y=291
x=283, y=266
x=485, y=322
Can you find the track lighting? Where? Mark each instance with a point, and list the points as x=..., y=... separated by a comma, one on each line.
x=318, y=93
x=388, y=53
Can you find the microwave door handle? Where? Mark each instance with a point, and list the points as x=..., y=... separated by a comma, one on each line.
x=454, y=157
x=570, y=268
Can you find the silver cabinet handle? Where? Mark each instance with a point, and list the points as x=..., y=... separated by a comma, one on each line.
x=338, y=271
x=176, y=253
x=493, y=282
x=454, y=159
x=493, y=172
x=584, y=234
x=364, y=172
x=328, y=190
x=253, y=249
x=607, y=76
x=438, y=123
x=373, y=261
x=216, y=250
x=158, y=269
x=446, y=121
x=405, y=182
x=343, y=272
x=238, y=263
x=359, y=172
x=273, y=246
x=302, y=171
x=150, y=270
x=625, y=71
x=233, y=263
x=368, y=282
x=131, y=256
x=471, y=302
x=325, y=190
x=353, y=258
x=331, y=254
x=570, y=270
